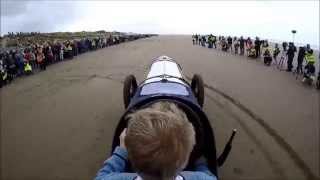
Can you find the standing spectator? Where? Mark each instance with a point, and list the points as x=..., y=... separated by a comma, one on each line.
x=257, y=44
x=104, y=43
x=27, y=55
x=74, y=47
x=284, y=46
x=55, y=52
x=290, y=53
x=276, y=52
x=45, y=51
x=193, y=40
x=32, y=59
x=61, y=51
x=229, y=40
x=49, y=55
x=41, y=58
x=236, y=45
x=210, y=41
x=224, y=44
x=301, y=54
x=267, y=58
x=78, y=45
x=93, y=44
x=3, y=70
x=265, y=46
x=214, y=40
x=241, y=45
x=69, y=50
x=197, y=39
x=203, y=41
x=309, y=69
x=308, y=48
x=12, y=68
x=200, y=40
x=19, y=61
x=248, y=43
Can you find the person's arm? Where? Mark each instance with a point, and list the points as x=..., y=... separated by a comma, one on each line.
x=115, y=164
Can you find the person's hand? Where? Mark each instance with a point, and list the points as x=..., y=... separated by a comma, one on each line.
x=122, y=137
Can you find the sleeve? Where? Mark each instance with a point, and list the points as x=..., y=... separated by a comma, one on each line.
x=114, y=165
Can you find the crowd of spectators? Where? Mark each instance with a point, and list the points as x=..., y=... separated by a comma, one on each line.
x=271, y=53
x=35, y=56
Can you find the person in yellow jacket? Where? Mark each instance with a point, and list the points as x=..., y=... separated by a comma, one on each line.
x=267, y=58
x=27, y=68
x=309, y=69
x=310, y=57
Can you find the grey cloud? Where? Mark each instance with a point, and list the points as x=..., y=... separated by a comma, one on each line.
x=13, y=7
x=43, y=16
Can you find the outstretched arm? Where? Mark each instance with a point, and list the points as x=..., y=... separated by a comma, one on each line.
x=117, y=162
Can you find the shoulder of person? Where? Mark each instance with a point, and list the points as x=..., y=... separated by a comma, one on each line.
x=119, y=176
x=192, y=175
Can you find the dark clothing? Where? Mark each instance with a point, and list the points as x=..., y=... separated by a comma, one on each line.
x=214, y=41
x=267, y=60
x=43, y=64
x=203, y=41
x=310, y=69
x=276, y=52
x=241, y=43
x=290, y=53
x=257, y=44
x=284, y=46
x=229, y=40
x=301, y=55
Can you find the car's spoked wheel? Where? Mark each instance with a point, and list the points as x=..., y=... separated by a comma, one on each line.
x=129, y=89
x=197, y=87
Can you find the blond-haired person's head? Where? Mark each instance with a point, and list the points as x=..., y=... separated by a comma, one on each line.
x=159, y=140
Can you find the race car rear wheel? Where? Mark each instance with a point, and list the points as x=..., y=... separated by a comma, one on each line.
x=197, y=87
x=129, y=89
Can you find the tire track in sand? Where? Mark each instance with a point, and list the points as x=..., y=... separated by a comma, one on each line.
x=272, y=132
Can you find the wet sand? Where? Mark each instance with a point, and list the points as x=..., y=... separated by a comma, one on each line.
x=58, y=124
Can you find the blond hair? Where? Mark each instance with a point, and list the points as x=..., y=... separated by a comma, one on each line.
x=159, y=140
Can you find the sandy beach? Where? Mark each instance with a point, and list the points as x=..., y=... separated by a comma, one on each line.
x=58, y=124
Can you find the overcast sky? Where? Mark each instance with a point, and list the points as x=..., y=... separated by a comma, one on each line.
x=269, y=19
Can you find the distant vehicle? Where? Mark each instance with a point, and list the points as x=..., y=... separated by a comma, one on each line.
x=165, y=82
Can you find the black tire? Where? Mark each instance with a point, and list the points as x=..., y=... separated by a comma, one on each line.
x=197, y=87
x=129, y=89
